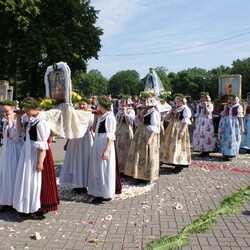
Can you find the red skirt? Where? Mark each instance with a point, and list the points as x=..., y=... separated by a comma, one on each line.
x=49, y=193
x=118, y=185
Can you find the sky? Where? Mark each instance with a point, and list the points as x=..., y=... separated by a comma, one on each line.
x=176, y=34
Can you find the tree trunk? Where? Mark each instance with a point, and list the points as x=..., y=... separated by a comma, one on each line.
x=34, y=82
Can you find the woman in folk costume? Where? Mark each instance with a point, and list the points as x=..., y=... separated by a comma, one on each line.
x=102, y=166
x=124, y=131
x=143, y=157
x=204, y=140
x=9, y=157
x=176, y=147
x=75, y=168
x=163, y=108
x=28, y=182
x=231, y=128
x=245, y=138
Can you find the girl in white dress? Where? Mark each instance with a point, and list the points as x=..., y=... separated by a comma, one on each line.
x=28, y=177
x=102, y=168
x=12, y=145
x=75, y=167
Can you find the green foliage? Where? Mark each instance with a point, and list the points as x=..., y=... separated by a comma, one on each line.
x=242, y=67
x=124, y=82
x=168, y=242
x=230, y=204
x=35, y=34
x=91, y=83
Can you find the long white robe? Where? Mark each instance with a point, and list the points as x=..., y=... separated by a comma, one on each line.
x=12, y=145
x=28, y=180
x=102, y=173
x=75, y=167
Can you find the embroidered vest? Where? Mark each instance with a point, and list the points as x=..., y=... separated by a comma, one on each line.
x=234, y=111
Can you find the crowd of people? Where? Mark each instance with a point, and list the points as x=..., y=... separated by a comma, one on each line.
x=125, y=137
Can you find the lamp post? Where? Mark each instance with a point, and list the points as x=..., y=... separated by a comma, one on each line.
x=204, y=83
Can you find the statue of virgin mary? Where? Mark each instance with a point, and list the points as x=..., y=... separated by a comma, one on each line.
x=153, y=82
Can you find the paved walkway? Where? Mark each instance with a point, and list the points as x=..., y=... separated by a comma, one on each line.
x=133, y=222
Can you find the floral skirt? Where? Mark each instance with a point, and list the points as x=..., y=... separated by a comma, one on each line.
x=229, y=136
x=143, y=160
x=175, y=151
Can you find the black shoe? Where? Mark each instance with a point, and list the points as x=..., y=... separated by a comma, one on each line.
x=39, y=213
x=177, y=169
x=227, y=158
x=5, y=208
x=107, y=199
x=80, y=190
x=97, y=200
x=204, y=154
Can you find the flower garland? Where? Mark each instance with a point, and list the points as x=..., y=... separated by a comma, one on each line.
x=181, y=97
x=85, y=99
x=123, y=96
x=204, y=93
x=204, y=222
x=9, y=103
x=104, y=103
x=29, y=105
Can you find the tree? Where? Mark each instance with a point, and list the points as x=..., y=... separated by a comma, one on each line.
x=91, y=83
x=125, y=82
x=242, y=67
x=41, y=33
x=15, y=18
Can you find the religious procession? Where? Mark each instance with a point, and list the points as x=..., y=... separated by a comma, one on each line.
x=108, y=139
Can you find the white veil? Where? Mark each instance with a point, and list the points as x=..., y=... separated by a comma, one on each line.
x=153, y=82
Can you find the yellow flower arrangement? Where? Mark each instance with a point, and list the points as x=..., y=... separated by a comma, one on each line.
x=47, y=103
x=75, y=97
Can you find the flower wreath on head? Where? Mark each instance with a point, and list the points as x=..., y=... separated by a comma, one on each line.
x=85, y=99
x=204, y=93
x=237, y=99
x=29, y=105
x=232, y=95
x=180, y=96
x=102, y=100
x=123, y=96
x=9, y=103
